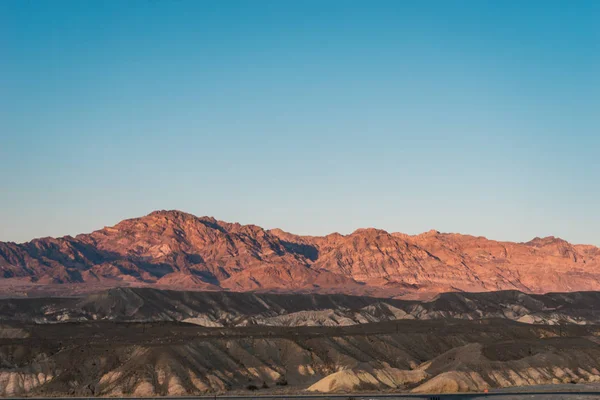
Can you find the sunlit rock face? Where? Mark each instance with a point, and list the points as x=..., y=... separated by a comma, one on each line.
x=172, y=249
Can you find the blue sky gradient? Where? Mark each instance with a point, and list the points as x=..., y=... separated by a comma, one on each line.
x=478, y=117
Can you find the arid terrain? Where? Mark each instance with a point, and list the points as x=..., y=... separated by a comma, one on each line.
x=172, y=304
x=299, y=200
x=232, y=309
x=175, y=250
x=147, y=342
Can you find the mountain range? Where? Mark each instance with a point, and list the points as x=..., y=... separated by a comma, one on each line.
x=177, y=250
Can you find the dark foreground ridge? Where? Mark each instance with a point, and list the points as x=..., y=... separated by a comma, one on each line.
x=228, y=309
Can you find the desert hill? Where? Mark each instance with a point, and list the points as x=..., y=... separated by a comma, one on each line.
x=149, y=342
x=109, y=358
x=232, y=309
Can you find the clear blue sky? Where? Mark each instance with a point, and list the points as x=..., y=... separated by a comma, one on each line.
x=478, y=117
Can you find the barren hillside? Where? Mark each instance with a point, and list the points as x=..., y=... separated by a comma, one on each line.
x=169, y=358
x=230, y=309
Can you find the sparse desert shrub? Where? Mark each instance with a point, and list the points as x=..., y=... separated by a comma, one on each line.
x=252, y=387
